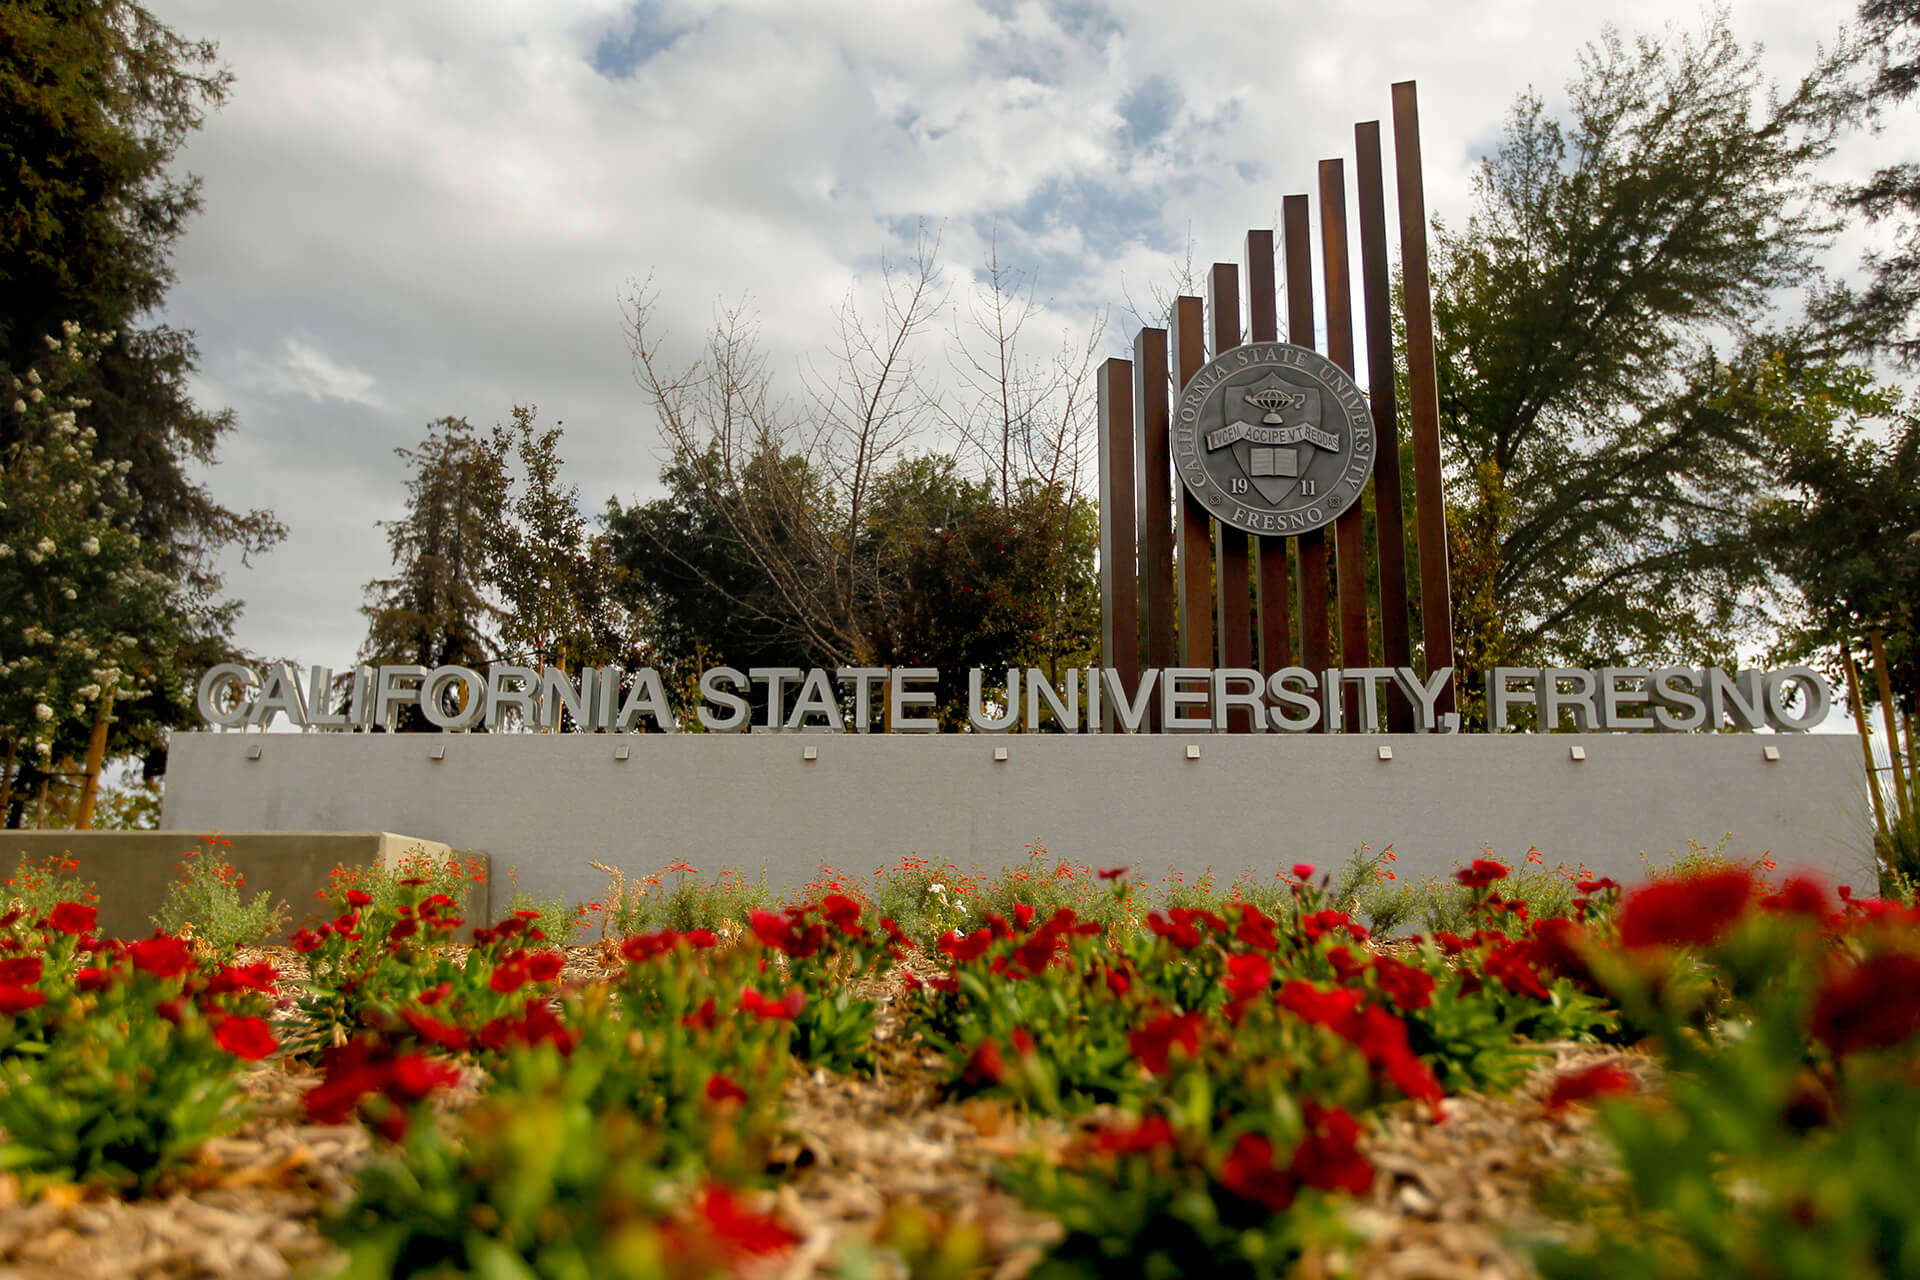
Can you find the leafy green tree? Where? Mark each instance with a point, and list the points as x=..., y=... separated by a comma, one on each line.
x=96, y=96
x=89, y=616
x=553, y=575
x=1885, y=308
x=1599, y=320
x=434, y=610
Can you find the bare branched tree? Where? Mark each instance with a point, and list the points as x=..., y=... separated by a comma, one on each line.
x=793, y=487
x=1026, y=420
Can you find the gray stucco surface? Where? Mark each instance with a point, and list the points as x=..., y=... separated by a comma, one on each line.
x=547, y=804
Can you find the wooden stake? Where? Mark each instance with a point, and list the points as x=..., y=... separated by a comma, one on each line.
x=96, y=758
x=1866, y=734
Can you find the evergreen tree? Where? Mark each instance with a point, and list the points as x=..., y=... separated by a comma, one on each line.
x=96, y=96
x=434, y=610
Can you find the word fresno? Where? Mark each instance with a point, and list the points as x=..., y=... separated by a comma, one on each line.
x=1174, y=699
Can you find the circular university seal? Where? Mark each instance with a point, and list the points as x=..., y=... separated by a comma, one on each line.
x=1273, y=439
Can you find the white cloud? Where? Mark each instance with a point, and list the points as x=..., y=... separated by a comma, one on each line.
x=442, y=201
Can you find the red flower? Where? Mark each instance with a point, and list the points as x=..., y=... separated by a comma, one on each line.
x=703, y=1018
x=1598, y=1080
x=15, y=1000
x=967, y=949
x=357, y=899
x=508, y=978
x=1801, y=895
x=738, y=1230
x=1588, y=888
x=1152, y=1043
x=1247, y=975
x=545, y=966
x=1406, y=986
x=163, y=956
x=1690, y=911
x=1871, y=1005
x=723, y=1089
x=535, y=1026
x=413, y=1076
x=21, y=971
x=1329, y=1156
x=1248, y=1172
x=1151, y=1133
x=307, y=940
x=1256, y=929
x=1023, y=916
x=1512, y=966
x=93, y=979
x=74, y=918
x=248, y=1038
x=701, y=938
x=1332, y=1009
x=787, y=1007
x=1482, y=873
x=1111, y=873
x=1303, y=871
x=843, y=913
x=985, y=1066
x=444, y=1035
x=259, y=977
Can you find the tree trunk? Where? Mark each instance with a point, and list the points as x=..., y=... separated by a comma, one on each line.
x=1878, y=639
x=6, y=778
x=1859, y=710
x=96, y=757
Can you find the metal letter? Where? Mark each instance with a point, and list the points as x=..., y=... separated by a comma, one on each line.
x=817, y=697
x=1780, y=712
x=864, y=678
x=1675, y=689
x=1250, y=696
x=977, y=706
x=1129, y=714
x=711, y=692
x=503, y=696
x=1369, y=679
x=1579, y=701
x=1305, y=698
x=899, y=698
x=237, y=680
x=1424, y=695
x=319, y=694
x=433, y=697
x=279, y=692
x=389, y=695
x=1173, y=699
x=647, y=697
x=1740, y=698
x=1039, y=689
x=1613, y=697
x=557, y=691
x=774, y=678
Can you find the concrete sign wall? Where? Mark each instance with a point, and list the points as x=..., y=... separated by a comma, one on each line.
x=548, y=804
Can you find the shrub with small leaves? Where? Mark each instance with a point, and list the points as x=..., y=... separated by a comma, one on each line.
x=206, y=900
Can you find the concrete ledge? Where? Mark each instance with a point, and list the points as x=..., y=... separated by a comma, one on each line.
x=547, y=803
x=135, y=868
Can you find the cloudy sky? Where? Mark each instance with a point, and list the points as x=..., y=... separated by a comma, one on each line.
x=436, y=207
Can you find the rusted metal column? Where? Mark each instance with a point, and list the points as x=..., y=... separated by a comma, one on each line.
x=1194, y=530
x=1376, y=295
x=1349, y=531
x=1119, y=546
x=1316, y=633
x=1274, y=626
x=1153, y=462
x=1423, y=394
x=1233, y=566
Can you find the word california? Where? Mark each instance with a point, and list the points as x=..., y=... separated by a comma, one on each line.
x=1077, y=700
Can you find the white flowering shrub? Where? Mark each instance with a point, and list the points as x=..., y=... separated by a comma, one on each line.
x=83, y=612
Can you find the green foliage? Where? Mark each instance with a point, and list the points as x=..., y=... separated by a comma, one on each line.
x=537, y=1181
x=207, y=897
x=88, y=617
x=649, y=903
x=39, y=886
x=1783, y=1140
x=434, y=611
x=118, y=1071
x=550, y=915
x=96, y=98
x=1598, y=321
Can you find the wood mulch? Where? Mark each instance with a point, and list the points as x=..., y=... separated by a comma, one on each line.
x=1448, y=1199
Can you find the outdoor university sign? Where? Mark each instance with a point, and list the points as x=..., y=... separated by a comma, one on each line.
x=1079, y=700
